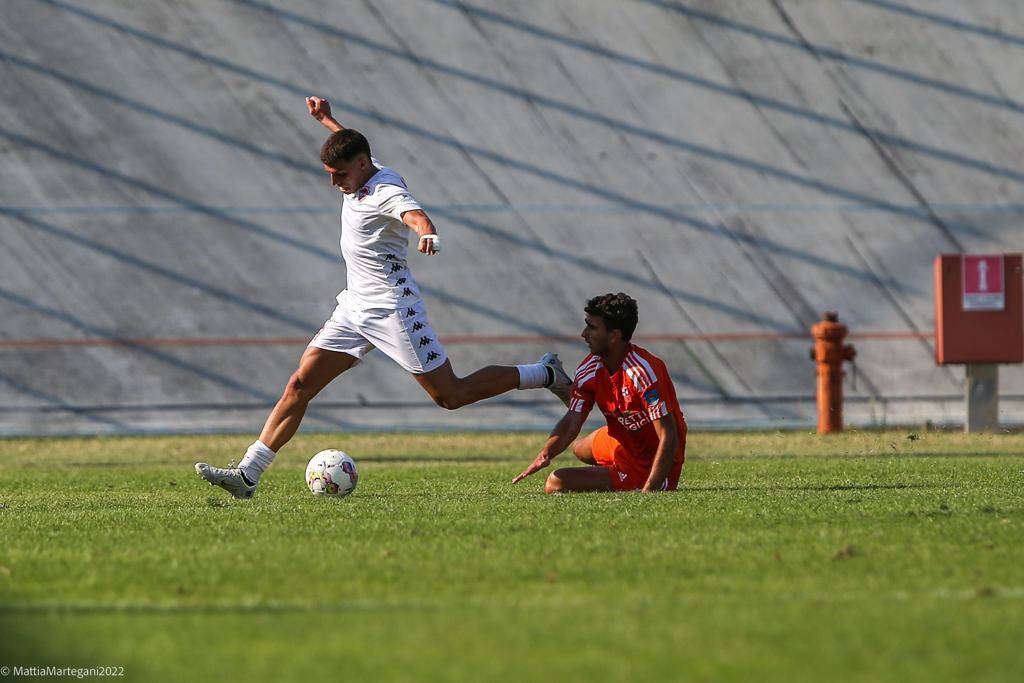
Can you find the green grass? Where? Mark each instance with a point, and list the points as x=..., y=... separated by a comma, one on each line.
x=869, y=556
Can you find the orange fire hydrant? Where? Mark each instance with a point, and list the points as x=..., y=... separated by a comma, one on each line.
x=830, y=352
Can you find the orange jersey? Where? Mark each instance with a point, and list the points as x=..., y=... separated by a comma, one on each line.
x=630, y=398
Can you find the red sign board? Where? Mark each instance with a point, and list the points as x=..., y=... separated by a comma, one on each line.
x=984, y=282
x=966, y=330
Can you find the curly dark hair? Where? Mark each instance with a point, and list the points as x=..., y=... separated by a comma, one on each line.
x=618, y=311
x=344, y=145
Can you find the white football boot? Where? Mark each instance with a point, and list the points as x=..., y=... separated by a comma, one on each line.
x=230, y=480
x=562, y=386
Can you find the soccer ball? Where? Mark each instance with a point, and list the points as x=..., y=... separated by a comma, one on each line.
x=331, y=473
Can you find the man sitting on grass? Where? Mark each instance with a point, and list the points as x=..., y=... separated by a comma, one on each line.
x=644, y=444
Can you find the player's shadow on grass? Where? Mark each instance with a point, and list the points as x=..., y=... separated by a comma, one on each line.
x=818, y=487
x=861, y=487
x=440, y=459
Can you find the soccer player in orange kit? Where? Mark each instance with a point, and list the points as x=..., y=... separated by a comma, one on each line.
x=644, y=444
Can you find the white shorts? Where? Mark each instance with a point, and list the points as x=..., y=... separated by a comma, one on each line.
x=403, y=334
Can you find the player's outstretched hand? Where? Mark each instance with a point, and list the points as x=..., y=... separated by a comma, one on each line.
x=318, y=107
x=540, y=463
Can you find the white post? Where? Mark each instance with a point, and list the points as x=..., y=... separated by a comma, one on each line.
x=981, y=394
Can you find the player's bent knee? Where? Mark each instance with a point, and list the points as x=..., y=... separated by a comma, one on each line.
x=296, y=390
x=579, y=452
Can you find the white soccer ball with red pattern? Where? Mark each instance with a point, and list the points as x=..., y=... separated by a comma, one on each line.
x=331, y=473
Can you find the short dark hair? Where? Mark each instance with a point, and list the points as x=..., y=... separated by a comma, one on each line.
x=344, y=145
x=618, y=311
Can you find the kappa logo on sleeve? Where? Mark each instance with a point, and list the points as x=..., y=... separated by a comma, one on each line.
x=652, y=397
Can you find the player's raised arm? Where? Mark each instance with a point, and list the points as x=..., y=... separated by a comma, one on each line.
x=664, y=457
x=419, y=222
x=320, y=109
x=562, y=436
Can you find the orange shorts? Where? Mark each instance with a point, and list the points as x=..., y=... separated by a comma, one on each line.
x=627, y=472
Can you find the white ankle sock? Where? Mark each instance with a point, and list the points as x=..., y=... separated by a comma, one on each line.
x=532, y=376
x=257, y=458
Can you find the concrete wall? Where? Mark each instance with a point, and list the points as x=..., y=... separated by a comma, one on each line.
x=170, y=243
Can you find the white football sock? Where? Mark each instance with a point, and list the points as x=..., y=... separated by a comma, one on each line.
x=532, y=376
x=257, y=458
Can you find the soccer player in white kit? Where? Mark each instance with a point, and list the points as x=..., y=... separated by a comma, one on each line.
x=380, y=308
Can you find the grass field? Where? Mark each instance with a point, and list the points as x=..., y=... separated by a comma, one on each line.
x=864, y=557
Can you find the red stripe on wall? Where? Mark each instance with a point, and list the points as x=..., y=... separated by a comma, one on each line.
x=485, y=340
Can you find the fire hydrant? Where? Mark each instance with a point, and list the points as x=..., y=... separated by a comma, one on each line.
x=830, y=352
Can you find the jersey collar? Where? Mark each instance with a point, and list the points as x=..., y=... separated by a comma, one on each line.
x=622, y=364
x=367, y=189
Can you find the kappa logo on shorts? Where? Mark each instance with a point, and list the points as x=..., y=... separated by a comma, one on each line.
x=406, y=292
x=418, y=326
x=432, y=356
x=410, y=313
x=424, y=341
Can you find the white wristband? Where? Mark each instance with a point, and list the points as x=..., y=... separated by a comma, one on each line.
x=434, y=243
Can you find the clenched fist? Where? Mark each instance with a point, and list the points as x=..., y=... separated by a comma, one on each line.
x=318, y=107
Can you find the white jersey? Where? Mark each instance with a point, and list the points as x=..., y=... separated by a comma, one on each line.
x=375, y=242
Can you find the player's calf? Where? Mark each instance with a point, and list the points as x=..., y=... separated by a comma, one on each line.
x=452, y=392
x=578, y=479
x=296, y=392
x=452, y=399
